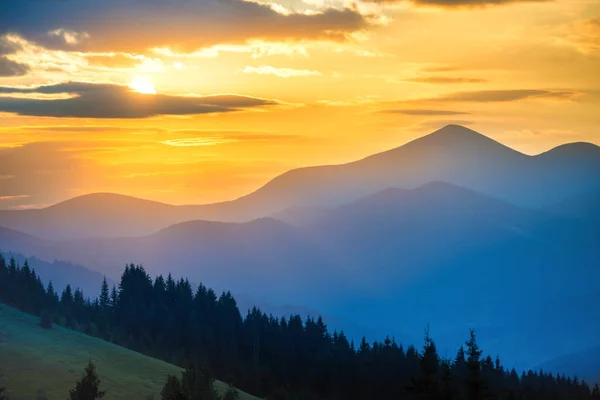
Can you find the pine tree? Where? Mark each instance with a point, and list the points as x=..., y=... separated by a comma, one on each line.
x=2, y=390
x=46, y=320
x=230, y=394
x=114, y=297
x=426, y=385
x=197, y=384
x=104, y=295
x=172, y=389
x=596, y=391
x=88, y=388
x=475, y=388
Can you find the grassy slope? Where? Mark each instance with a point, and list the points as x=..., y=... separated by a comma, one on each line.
x=36, y=361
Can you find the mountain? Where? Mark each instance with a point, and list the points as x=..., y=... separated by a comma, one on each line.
x=396, y=261
x=63, y=273
x=452, y=154
x=98, y=214
x=41, y=363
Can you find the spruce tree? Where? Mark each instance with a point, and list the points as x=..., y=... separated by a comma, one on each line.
x=172, y=389
x=88, y=388
x=104, y=295
x=2, y=390
x=596, y=391
x=114, y=297
x=426, y=385
x=474, y=384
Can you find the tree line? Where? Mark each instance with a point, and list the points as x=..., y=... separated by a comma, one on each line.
x=286, y=358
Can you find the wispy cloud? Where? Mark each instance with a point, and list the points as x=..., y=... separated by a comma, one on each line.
x=444, y=80
x=422, y=112
x=584, y=34
x=280, y=72
x=461, y=3
x=194, y=142
x=494, y=96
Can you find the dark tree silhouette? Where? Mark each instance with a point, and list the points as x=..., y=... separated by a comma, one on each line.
x=276, y=358
x=88, y=388
x=475, y=385
x=104, y=299
x=2, y=390
x=46, y=320
x=172, y=389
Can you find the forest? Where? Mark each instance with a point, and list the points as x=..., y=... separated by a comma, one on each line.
x=287, y=358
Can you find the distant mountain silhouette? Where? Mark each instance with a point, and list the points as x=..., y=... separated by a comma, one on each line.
x=62, y=273
x=439, y=254
x=452, y=154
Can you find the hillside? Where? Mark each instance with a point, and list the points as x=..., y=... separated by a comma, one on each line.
x=38, y=362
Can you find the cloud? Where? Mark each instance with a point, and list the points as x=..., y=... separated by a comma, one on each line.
x=442, y=80
x=423, y=112
x=137, y=25
x=461, y=3
x=114, y=60
x=280, y=72
x=12, y=68
x=9, y=67
x=585, y=35
x=472, y=3
x=493, y=96
x=91, y=100
x=240, y=136
x=194, y=142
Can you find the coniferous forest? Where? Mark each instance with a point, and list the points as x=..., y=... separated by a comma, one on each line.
x=275, y=358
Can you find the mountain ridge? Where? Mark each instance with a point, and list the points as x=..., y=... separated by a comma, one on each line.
x=452, y=154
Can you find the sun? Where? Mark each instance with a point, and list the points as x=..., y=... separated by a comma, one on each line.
x=142, y=85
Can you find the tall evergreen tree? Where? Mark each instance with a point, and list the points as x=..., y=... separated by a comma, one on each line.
x=2, y=390
x=172, y=389
x=114, y=297
x=104, y=299
x=474, y=383
x=426, y=385
x=88, y=388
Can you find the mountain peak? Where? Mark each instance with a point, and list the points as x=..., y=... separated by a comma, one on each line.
x=107, y=199
x=458, y=133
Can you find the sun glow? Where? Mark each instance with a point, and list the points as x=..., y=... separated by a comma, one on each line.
x=143, y=86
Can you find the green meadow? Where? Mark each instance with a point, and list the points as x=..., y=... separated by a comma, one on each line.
x=38, y=363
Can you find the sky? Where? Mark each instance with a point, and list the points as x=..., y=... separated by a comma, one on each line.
x=200, y=101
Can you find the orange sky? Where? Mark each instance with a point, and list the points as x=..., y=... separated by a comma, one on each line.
x=318, y=81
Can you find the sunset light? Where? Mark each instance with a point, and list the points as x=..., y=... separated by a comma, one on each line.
x=314, y=185
x=143, y=86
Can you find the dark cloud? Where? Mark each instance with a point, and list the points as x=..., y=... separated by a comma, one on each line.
x=114, y=101
x=9, y=67
x=423, y=112
x=136, y=25
x=442, y=80
x=492, y=96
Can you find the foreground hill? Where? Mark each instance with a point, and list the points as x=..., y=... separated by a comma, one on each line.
x=37, y=362
x=452, y=154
